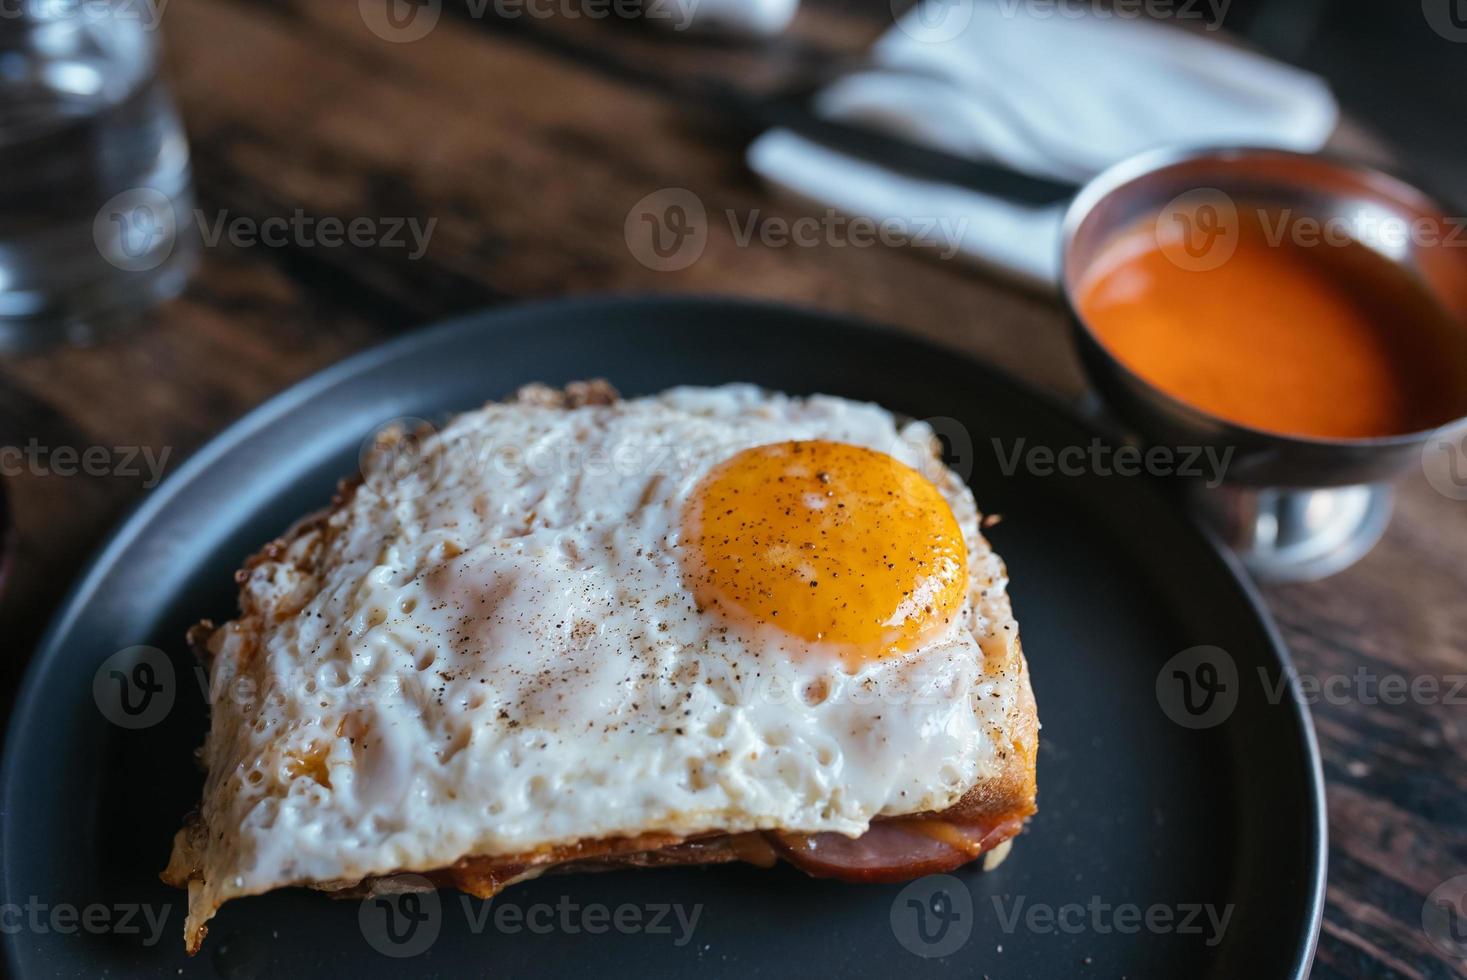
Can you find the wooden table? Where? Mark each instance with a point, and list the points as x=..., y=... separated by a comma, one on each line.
x=529, y=141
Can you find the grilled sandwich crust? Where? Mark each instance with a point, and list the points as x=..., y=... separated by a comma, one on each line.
x=989, y=814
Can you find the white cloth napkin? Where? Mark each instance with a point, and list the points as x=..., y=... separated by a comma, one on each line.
x=1043, y=88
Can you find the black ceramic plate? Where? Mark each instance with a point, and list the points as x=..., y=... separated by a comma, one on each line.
x=1145, y=823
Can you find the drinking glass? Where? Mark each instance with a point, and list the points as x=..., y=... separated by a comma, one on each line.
x=96, y=201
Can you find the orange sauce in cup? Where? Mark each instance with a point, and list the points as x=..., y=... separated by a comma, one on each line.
x=1310, y=339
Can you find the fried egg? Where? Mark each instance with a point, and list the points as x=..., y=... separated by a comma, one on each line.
x=714, y=610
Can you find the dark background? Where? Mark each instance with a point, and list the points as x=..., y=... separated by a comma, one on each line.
x=1387, y=66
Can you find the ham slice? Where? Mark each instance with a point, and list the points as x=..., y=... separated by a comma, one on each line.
x=892, y=850
x=897, y=850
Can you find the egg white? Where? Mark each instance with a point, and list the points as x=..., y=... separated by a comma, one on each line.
x=496, y=653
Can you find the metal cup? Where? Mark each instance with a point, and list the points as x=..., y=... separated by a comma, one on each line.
x=1293, y=508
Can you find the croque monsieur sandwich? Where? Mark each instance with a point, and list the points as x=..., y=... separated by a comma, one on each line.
x=575, y=631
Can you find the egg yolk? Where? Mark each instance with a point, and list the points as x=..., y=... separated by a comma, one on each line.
x=836, y=545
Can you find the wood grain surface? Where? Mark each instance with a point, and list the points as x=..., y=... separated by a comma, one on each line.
x=529, y=141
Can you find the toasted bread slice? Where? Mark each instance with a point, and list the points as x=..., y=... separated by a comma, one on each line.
x=290, y=752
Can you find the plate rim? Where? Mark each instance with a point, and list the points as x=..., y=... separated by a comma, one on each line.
x=27, y=699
